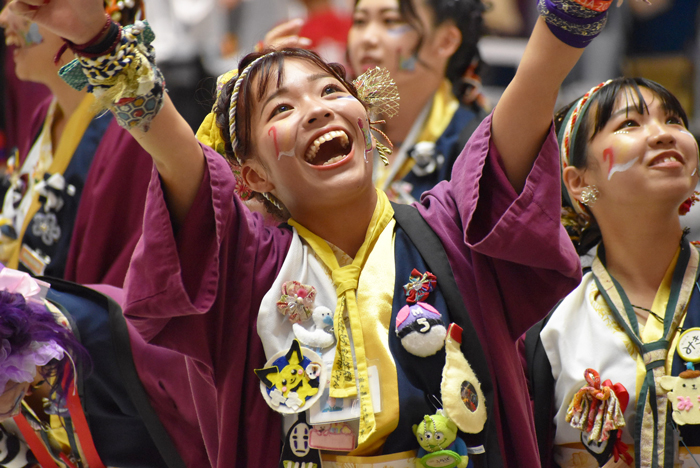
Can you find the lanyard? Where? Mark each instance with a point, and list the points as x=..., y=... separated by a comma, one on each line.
x=653, y=420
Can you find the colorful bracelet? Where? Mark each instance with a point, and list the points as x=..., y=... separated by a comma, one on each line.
x=574, y=22
x=125, y=80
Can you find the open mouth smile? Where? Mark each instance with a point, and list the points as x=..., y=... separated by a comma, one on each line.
x=667, y=158
x=329, y=148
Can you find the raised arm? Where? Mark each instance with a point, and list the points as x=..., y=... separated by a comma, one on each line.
x=524, y=113
x=170, y=141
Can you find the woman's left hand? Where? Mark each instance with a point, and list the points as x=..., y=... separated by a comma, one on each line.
x=76, y=20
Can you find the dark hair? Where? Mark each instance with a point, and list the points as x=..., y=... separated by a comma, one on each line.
x=604, y=103
x=583, y=230
x=270, y=68
x=22, y=323
x=467, y=15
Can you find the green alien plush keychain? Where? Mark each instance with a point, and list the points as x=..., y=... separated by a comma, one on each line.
x=440, y=445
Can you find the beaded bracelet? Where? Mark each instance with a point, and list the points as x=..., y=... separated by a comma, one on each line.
x=575, y=22
x=125, y=80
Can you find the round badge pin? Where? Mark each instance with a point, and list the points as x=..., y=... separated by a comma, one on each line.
x=689, y=345
x=292, y=380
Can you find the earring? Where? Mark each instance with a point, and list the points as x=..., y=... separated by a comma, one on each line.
x=589, y=195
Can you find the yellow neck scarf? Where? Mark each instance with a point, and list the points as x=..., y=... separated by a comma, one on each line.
x=343, y=383
x=72, y=134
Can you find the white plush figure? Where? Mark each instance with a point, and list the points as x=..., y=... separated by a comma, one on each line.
x=684, y=395
x=317, y=337
x=14, y=452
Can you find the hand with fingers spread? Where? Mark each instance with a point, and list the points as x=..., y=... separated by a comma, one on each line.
x=75, y=20
x=286, y=35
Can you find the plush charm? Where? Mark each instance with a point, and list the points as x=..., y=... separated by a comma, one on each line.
x=597, y=410
x=296, y=452
x=297, y=301
x=439, y=444
x=289, y=381
x=420, y=329
x=319, y=337
x=684, y=395
x=462, y=398
x=14, y=452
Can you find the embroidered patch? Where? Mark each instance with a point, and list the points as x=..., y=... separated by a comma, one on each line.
x=297, y=301
x=292, y=381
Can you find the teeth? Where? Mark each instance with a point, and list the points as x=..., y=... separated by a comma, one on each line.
x=313, y=149
x=333, y=160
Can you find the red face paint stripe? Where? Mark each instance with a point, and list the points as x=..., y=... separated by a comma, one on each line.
x=608, y=154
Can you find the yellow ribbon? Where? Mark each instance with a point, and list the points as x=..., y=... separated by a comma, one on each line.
x=63, y=154
x=443, y=108
x=208, y=132
x=343, y=383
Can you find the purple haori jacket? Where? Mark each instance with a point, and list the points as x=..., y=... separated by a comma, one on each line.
x=198, y=291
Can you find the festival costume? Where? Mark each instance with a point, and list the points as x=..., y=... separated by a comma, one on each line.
x=200, y=292
x=90, y=233
x=431, y=148
x=117, y=413
x=598, y=341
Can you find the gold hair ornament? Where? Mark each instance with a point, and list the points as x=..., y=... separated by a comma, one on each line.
x=378, y=91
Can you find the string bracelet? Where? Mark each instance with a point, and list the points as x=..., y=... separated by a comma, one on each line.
x=102, y=43
x=125, y=79
x=575, y=22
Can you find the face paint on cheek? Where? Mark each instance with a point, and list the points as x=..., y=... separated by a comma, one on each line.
x=608, y=154
x=367, y=135
x=273, y=132
x=33, y=36
x=407, y=62
x=399, y=30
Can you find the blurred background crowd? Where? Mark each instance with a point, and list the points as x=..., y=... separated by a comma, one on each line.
x=197, y=40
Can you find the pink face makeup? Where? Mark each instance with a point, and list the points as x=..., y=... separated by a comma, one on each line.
x=608, y=154
x=273, y=132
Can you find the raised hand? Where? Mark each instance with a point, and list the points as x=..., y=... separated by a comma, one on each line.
x=286, y=35
x=76, y=20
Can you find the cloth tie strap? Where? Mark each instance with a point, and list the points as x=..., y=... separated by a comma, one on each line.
x=653, y=433
x=343, y=383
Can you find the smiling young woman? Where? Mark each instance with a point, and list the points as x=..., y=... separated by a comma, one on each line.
x=629, y=163
x=208, y=274
x=429, y=48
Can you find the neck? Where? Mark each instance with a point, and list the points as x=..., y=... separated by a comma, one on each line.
x=343, y=226
x=415, y=97
x=67, y=100
x=639, y=250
